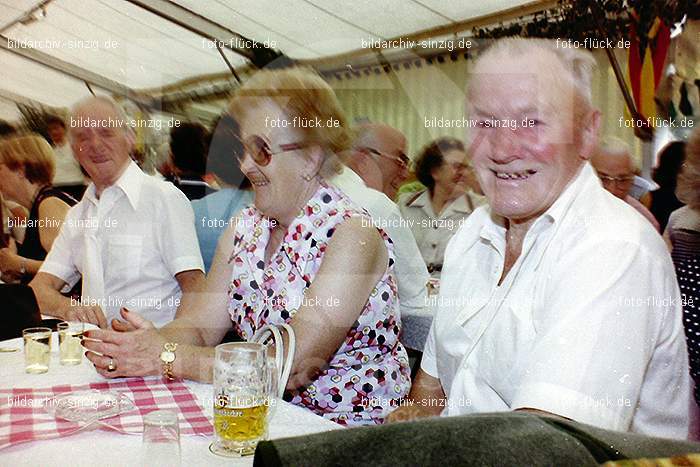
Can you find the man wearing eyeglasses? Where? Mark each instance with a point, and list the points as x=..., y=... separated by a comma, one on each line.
x=616, y=170
x=374, y=169
x=379, y=158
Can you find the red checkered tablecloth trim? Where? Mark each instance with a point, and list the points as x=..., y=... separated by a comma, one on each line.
x=23, y=415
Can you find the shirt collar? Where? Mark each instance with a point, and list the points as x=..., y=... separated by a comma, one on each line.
x=421, y=200
x=130, y=183
x=466, y=203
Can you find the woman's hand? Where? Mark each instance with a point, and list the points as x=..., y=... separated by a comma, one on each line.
x=134, y=353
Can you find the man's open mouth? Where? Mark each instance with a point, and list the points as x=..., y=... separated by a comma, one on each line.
x=522, y=175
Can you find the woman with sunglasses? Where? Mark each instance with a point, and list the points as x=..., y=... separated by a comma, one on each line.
x=452, y=193
x=304, y=254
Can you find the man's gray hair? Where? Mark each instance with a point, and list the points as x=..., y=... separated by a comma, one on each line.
x=614, y=145
x=91, y=100
x=578, y=63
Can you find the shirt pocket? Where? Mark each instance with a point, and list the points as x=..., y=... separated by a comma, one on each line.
x=124, y=256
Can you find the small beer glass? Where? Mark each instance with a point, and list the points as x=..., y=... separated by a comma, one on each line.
x=69, y=336
x=161, y=439
x=37, y=349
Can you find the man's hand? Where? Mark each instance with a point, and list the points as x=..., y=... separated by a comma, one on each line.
x=134, y=353
x=123, y=325
x=405, y=413
x=86, y=314
x=427, y=399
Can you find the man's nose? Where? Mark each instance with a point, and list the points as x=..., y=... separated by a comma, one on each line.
x=504, y=148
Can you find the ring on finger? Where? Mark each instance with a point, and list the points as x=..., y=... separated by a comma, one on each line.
x=111, y=367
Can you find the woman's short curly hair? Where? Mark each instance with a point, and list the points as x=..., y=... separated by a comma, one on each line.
x=302, y=93
x=688, y=187
x=431, y=157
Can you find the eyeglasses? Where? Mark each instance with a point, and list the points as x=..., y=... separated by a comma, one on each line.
x=260, y=150
x=621, y=180
x=401, y=160
x=459, y=166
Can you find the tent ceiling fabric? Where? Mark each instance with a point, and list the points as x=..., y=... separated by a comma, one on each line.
x=148, y=52
x=306, y=29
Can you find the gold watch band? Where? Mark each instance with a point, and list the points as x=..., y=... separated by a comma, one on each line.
x=168, y=356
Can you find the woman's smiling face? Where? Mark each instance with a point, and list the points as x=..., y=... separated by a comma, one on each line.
x=277, y=185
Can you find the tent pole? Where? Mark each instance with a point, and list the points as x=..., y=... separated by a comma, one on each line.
x=228, y=64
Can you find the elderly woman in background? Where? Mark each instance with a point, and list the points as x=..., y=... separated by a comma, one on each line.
x=303, y=254
x=26, y=171
x=683, y=230
x=452, y=193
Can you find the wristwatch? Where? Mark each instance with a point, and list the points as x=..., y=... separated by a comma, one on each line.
x=167, y=356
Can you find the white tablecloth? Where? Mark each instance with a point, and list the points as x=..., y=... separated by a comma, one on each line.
x=106, y=448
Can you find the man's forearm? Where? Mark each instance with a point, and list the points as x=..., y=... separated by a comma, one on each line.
x=51, y=302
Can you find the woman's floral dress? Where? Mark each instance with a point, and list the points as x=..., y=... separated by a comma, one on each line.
x=369, y=373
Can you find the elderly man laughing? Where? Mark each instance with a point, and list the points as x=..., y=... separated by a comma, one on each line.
x=131, y=238
x=557, y=297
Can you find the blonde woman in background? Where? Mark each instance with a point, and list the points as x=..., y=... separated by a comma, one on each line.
x=26, y=170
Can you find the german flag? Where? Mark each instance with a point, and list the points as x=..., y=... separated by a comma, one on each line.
x=645, y=65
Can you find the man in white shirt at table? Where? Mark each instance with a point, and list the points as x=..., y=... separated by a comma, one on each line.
x=556, y=297
x=411, y=273
x=131, y=237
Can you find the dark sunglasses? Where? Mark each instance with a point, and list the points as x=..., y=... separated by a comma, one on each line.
x=260, y=149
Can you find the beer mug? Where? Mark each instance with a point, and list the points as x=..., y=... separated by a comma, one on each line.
x=242, y=396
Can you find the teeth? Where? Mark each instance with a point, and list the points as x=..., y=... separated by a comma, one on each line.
x=514, y=175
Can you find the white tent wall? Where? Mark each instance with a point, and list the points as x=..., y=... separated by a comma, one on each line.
x=407, y=97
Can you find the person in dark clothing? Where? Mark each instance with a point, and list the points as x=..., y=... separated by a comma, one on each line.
x=26, y=170
x=664, y=200
x=683, y=230
x=188, y=151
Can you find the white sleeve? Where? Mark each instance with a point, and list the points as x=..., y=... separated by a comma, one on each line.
x=606, y=341
x=428, y=362
x=411, y=274
x=60, y=260
x=178, y=238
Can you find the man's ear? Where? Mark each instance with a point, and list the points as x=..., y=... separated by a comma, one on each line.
x=131, y=139
x=590, y=134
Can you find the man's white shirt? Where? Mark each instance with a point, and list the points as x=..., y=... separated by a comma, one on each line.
x=411, y=273
x=587, y=324
x=128, y=245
